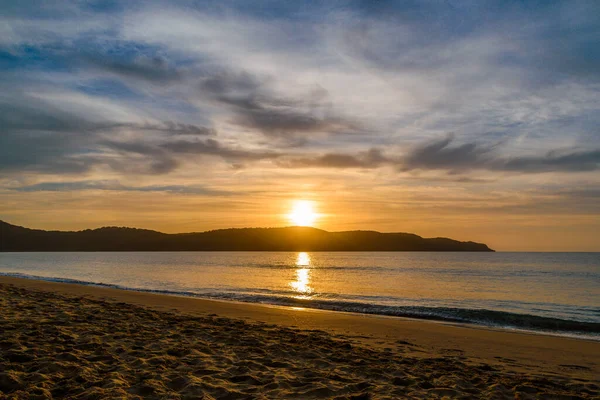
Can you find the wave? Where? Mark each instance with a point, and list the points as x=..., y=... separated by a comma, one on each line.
x=483, y=317
x=374, y=268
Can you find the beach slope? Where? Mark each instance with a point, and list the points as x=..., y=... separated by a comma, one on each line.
x=72, y=341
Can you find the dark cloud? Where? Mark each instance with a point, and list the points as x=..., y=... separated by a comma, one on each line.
x=556, y=201
x=448, y=178
x=372, y=158
x=165, y=156
x=152, y=68
x=36, y=136
x=438, y=154
x=167, y=127
x=249, y=98
x=20, y=113
x=256, y=107
x=441, y=155
x=35, y=133
x=566, y=161
x=591, y=193
x=117, y=186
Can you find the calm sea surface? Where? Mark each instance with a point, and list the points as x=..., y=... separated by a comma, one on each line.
x=552, y=292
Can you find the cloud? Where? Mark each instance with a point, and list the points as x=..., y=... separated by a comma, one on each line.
x=332, y=78
x=466, y=158
x=441, y=155
x=166, y=155
x=113, y=185
x=169, y=128
x=33, y=132
x=214, y=147
x=438, y=154
x=37, y=136
x=155, y=68
x=564, y=161
x=250, y=100
x=257, y=107
x=539, y=42
x=372, y=158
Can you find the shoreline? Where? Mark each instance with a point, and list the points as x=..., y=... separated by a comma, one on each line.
x=527, y=349
x=574, y=334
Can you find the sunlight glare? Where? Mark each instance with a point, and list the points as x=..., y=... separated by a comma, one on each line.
x=302, y=213
x=300, y=285
x=303, y=259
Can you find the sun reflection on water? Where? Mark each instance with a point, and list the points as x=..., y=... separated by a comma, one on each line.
x=301, y=284
x=303, y=259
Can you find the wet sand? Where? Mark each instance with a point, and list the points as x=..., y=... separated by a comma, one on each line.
x=72, y=341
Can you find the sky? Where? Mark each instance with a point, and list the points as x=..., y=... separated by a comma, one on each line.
x=475, y=120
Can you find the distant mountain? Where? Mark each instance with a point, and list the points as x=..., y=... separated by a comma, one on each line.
x=17, y=238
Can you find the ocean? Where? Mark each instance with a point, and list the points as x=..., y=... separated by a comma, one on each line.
x=555, y=293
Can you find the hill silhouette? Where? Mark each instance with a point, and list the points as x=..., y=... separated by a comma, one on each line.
x=17, y=238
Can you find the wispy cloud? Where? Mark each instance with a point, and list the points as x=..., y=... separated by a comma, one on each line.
x=68, y=186
x=39, y=136
x=256, y=107
x=440, y=154
x=372, y=158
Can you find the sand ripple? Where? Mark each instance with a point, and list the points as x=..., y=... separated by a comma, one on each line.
x=59, y=346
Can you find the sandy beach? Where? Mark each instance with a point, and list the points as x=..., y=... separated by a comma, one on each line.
x=82, y=342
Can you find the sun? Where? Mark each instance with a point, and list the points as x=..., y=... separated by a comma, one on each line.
x=302, y=213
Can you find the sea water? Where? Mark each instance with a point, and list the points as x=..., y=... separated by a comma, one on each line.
x=557, y=293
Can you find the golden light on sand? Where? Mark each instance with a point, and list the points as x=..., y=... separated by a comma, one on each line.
x=302, y=213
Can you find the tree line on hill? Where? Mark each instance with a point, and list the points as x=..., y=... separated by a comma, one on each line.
x=17, y=238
